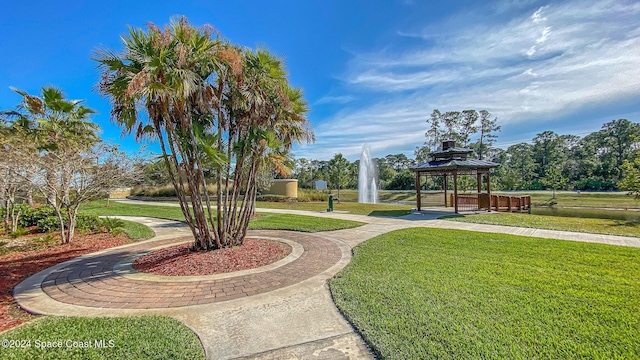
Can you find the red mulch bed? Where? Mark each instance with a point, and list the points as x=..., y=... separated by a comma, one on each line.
x=15, y=267
x=180, y=261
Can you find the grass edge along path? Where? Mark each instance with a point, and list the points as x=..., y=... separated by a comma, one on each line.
x=265, y=221
x=137, y=337
x=137, y=231
x=584, y=225
x=432, y=293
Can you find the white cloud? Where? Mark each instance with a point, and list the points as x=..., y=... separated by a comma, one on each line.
x=335, y=99
x=538, y=16
x=558, y=59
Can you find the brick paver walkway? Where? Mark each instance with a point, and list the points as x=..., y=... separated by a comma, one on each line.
x=93, y=282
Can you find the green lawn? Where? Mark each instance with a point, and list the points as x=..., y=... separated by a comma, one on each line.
x=116, y=208
x=431, y=293
x=144, y=337
x=587, y=225
x=350, y=207
x=585, y=199
x=137, y=231
x=300, y=223
x=266, y=221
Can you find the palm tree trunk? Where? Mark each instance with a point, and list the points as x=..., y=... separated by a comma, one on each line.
x=177, y=184
x=51, y=180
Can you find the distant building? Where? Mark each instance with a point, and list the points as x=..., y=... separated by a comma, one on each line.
x=284, y=187
x=320, y=185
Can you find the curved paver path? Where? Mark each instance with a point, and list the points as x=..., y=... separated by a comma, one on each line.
x=283, y=310
x=94, y=282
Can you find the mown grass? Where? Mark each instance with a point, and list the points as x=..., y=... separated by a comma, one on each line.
x=300, y=223
x=586, y=225
x=144, y=337
x=605, y=200
x=115, y=208
x=137, y=231
x=431, y=293
x=349, y=207
x=265, y=221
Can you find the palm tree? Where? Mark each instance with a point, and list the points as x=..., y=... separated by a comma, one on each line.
x=210, y=104
x=167, y=73
x=265, y=116
x=60, y=130
x=55, y=124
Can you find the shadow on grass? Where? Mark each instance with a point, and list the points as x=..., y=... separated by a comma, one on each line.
x=455, y=216
x=391, y=213
x=630, y=224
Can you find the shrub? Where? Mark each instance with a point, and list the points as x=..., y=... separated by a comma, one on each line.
x=19, y=232
x=112, y=225
x=88, y=223
x=312, y=195
x=273, y=198
x=31, y=216
x=48, y=224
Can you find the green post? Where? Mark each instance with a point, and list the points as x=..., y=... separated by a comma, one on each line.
x=330, y=209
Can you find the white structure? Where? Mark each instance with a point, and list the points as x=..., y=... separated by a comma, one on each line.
x=320, y=185
x=367, y=178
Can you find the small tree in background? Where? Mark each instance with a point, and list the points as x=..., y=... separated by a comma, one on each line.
x=553, y=179
x=631, y=180
x=339, y=172
x=15, y=164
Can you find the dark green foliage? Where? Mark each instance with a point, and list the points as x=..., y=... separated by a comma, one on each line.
x=403, y=180
x=48, y=224
x=31, y=216
x=274, y=198
x=46, y=221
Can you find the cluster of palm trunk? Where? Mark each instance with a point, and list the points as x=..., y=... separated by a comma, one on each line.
x=215, y=108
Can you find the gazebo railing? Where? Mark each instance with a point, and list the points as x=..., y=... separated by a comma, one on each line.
x=467, y=202
x=476, y=202
x=510, y=203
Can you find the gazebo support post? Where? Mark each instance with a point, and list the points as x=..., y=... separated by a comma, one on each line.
x=455, y=191
x=489, y=189
x=418, y=200
x=445, y=185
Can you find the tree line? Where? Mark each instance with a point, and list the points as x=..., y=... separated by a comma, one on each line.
x=598, y=161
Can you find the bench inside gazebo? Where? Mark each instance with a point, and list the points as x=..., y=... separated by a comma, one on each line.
x=453, y=162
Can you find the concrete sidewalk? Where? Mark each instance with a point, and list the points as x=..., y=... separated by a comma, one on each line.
x=280, y=311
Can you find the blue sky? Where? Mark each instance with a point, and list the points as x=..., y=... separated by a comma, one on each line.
x=372, y=71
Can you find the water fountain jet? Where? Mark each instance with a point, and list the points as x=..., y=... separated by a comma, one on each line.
x=367, y=178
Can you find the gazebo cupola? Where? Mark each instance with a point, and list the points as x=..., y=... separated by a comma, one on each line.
x=454, y=161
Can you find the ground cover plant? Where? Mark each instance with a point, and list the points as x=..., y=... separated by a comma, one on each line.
x=431, y=293
x=144, y=337
x=587, y=225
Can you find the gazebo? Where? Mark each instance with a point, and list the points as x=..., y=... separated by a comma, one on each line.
x=453, y=161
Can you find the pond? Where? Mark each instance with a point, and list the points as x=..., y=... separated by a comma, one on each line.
x=626, y=215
